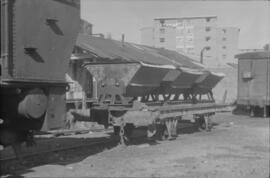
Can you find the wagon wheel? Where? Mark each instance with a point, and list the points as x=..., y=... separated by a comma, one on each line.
x=152, y=130
x=204, y=123
x=165, y=134
x=208, y=123
x=162, y=131
x=124, y=131
x=200, y=123
x=170, y=128
x=129, y=128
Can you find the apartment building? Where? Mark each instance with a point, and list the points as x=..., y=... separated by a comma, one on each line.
x=194, y=36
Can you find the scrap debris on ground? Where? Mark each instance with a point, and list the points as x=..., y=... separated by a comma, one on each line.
x=238, y=146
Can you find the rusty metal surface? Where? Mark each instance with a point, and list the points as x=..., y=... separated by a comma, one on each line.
x=39, y=39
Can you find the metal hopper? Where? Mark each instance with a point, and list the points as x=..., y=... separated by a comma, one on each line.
x=147, y=79
x=185, y=80
x=207, y=82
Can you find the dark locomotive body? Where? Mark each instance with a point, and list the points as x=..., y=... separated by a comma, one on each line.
x=37, y=38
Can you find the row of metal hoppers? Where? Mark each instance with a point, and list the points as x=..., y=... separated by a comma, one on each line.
x=156, y=96
x=161, y=83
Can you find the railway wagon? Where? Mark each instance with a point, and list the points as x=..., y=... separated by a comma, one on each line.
x=157, y=96
x=37, y=38
x=254, y=82
x=156, y=90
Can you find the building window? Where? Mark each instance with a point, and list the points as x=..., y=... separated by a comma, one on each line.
x=190, y=50
x=207, y=29
x=162, y=40
x=224, y=39
x=207, y=38
x=180, y=22
x=188, y=22
x=208, y=19
x=180, y=32
x=162, y=21
x=162, y=30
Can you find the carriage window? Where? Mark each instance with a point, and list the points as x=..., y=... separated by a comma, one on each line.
x=162, y=40
x=162, y=30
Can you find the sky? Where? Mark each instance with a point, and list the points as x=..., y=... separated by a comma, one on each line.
x=129, y=16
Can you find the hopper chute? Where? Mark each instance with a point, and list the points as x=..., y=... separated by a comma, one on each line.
x=147, y=79
x=186, y=79
x=207, y=82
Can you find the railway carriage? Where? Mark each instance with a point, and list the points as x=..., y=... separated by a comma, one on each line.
x=254, y=82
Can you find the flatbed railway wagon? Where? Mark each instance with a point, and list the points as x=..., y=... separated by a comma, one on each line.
x=157, y=96
x=254, y=83
x=37, y=38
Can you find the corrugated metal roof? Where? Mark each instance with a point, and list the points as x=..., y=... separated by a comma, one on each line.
x=181, y=18
x=177, y=57
x=254, y=55
x=112, y=49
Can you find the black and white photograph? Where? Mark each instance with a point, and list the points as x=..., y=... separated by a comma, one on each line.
x=135, y=88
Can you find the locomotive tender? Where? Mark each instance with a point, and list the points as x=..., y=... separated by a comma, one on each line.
x=37, y=38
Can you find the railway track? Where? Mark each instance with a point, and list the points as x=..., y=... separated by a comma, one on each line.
x=60, y=149
x=66, y=153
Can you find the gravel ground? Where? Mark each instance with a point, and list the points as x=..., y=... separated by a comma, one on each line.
x=238, y=146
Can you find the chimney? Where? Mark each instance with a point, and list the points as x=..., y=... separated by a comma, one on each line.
x=101, y=35
x=123, y=40
x=109, y=36
x=86, y=27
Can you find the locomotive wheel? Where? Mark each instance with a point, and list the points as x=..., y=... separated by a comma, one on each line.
x=152, y=130
x=204, y=123
x=171, y=128
x=116, y=130
x=200, y=123
x=165, y=134
x=208, y=123
x=124, y=132
x=162, y=132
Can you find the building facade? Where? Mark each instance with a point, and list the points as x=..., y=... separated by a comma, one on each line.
x=194, y=36
x=227, y=44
